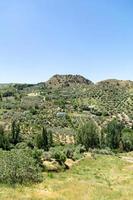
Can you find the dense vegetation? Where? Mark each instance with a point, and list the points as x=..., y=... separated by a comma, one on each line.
x=61, y=119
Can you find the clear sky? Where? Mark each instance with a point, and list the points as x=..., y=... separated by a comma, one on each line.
x=39, y=38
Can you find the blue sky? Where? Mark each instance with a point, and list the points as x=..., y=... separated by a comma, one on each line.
x=39, y=38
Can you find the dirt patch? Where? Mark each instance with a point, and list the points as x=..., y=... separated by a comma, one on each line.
x=127, y=159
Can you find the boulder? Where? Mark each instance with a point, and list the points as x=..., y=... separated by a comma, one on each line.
x=52, y=166
x=69, y=163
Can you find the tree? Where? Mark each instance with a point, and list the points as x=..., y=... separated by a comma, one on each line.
x=18, y=166
x=89, y=135
x=15, y=133
x=1, y=137
x=114, y=134
x=44, y=140
x=50, y=139
x=4, y=141
x=103, y=138
x=127, y=139
x=0, y=97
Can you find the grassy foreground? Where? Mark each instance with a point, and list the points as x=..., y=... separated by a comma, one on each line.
x=103, y=178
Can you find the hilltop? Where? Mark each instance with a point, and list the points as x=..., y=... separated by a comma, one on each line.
x=67, y=80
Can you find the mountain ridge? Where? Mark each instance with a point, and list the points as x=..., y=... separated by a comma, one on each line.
x=70, y=77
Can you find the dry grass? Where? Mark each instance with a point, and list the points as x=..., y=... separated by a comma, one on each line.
x=103, y=178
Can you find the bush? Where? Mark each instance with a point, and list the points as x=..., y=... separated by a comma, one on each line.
x=58, y=154
x=68, y=150
x=74, y=152
x=106, y=151
x=127, y=139
x=21, y=145
x=18, y=166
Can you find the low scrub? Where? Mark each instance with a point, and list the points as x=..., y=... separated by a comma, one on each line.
x=18, y=166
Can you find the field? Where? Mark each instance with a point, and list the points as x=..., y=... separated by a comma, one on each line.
x=101, y=178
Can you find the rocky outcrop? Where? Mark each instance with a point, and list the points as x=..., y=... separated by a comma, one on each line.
x=67, y=80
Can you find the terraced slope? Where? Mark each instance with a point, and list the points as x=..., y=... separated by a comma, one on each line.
x=41, y=104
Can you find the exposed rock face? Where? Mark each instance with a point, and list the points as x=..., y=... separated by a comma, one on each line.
x=67, y=80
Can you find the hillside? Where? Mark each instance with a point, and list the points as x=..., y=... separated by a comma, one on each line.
x=71, y=126
x=41, y=104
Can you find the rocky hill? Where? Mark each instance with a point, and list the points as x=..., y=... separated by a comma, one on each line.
x=67, y=80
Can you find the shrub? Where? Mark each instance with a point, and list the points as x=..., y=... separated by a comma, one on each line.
x=37, y=155
x=106, y=151
x=18, y=166
x=68, y=151
x=58, y=154
x=127, y=139
x=47, y=156
x=21, y=145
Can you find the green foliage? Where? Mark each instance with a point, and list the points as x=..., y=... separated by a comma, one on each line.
x=50, y=138
x=21, y=145
x=15, y=133
x=114, y=134
x=103, y=138
x=88, y=135
x=4, y=141
x=127, y=139
x=33, y=111
x=105, y=151
x=37, y=155
x=18, y=166
x=73, y=152
x=45, y=140
x=61, y=103
x=58, y=154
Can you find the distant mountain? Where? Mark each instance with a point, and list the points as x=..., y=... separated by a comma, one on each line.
x=115, y=82
x=67, y=80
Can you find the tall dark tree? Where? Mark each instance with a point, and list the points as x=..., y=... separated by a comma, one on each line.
x=50, y=139
x=44, y=140
x=0, y=97
x=15, y=133
x=4, y=141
